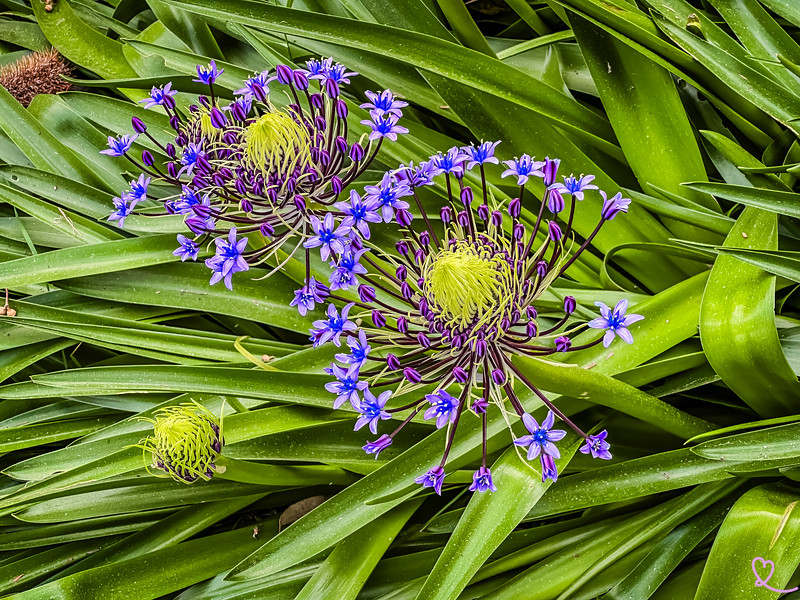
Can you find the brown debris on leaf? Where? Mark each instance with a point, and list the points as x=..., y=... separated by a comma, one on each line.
x=297, y=510
x=37, y=73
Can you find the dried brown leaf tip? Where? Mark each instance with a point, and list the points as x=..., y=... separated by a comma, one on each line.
x=36, y=73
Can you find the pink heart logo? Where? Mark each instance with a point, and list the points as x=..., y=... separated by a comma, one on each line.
x=763, y=565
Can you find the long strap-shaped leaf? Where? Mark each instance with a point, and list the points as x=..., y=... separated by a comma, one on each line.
x=737, y=318
x=426, y=52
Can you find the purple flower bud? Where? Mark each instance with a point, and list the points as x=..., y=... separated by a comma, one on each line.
x=266, y=230
x=147, y=158
x=554, y=230
x=366, y=293
x=519, y=231
x=555, y=201
x=401, y=273
x=138, y=125
x=341, y=144
x=341, y=109
x=378, y=319
x=320, y=123
x=258, y=91
x=285, y=74
x=531, y=312
x=569, y=305
x=550, y=169
x=541, y=268
x=356, y=152
x=532, y=329
x=237, y=110
x=336, y=184
x=446, y=214
x=483, y=212
x=240, y=186
x=317, y=101
x=245, y=204
x=331, y=88
x=218, y=118
x=402, y=325
x=300, y=80
x=412, y=375
x=405, y=290
x=172, y=169
x=467, y=196
x=204, y=101
x=423, y=340
x=479, y=406
x=480, y=348
x=378, y=445
x=393, y=362
x=195, y=225
x=497, y=218
x=419, y=256
x=498, y=377
x=425, y=237
x=463, y=218
x=562, y=343
x=219, y=181
x=460, y=375
x=402, y=247
x=201, y=210
x=170, y=148
x=404, y=217
x=300, y=203
x=514, y=208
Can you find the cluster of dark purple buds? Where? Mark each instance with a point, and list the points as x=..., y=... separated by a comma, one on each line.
x=457, y=301
x=251, y=175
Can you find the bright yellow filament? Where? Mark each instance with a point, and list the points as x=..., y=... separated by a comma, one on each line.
x=464, y=283
x=276, y=141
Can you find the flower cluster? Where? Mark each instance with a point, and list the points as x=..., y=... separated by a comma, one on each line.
x=457, y=302
x=186, y=441
x=252, y=169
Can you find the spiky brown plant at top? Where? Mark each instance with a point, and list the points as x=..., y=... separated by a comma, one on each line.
x=37, y=73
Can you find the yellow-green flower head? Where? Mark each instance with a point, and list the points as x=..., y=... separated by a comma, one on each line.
x=276, y=141
x=186, y=441
x=469, y=285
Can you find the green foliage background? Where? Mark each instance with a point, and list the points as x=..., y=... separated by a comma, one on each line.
x=691, y=108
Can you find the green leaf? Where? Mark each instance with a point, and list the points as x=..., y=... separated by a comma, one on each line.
x=665, y=557
x=17, y=438
x=164, y=533
x=737, y=323
x=153, y=575
x=82, y=229
x=79, y=43
x=775, y=201
x=88, y=260
x=764, y=523
x=39, y=145
x=771, y=443
x=590, y=385
x=639, y=95
x=185, y=286
x=488, y=519
x=425, y=52
x=347, y=576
